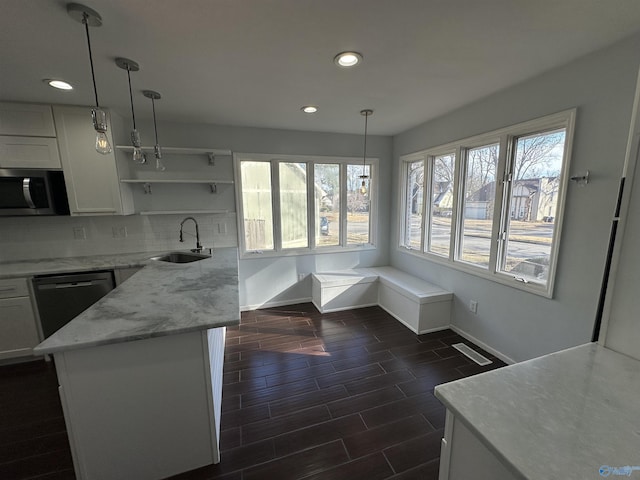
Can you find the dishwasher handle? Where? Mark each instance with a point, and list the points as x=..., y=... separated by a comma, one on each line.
x=52, y=286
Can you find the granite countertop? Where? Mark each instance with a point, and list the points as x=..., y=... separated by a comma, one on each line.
x=161, y=299
x=560, y=416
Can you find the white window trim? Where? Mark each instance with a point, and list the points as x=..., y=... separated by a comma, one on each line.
x=565, y=119
x=310, y=160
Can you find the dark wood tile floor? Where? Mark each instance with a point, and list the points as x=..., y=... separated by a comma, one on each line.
x=334, y=396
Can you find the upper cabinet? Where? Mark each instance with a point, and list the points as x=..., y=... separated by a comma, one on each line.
x=27, y=137
x=93, y=186
x=27, y=120
x=29, y=152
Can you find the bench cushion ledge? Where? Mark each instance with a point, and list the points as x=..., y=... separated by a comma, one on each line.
x=408, y=285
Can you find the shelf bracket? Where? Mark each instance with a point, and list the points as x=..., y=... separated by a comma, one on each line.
x=147, y=188
x=214, y=187
x=212, y=159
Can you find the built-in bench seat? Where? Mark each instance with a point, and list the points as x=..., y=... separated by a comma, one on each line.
x=421, y=306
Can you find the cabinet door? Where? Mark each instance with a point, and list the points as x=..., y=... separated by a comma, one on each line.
x=93, y=186
x=29, y=152
x=18, y=332
x=26, y=119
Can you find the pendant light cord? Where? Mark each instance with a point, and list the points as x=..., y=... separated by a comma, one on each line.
x=93, y=74
x=155, y=126
x=364, y=157
x=133, y=113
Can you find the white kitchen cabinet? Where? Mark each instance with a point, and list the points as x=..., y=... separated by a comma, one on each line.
x=93, y=186
x=18, y=328
x=26, y=119
x=463, y=456
x=144, y=409
x=29, y=152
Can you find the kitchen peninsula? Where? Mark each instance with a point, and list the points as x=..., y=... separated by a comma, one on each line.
x=140, y=372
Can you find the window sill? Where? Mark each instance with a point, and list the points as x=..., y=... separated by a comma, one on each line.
x=307, y=251
x=501, y=278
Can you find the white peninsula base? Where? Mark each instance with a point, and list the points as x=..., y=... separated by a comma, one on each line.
x=143, y=409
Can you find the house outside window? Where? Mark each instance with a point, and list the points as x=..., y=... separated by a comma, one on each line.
x=496, y=202
x=297, y=204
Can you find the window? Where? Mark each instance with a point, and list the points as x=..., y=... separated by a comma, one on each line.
x=294, y=204
x=478, y=204
x=442, y=181
x=496, y=202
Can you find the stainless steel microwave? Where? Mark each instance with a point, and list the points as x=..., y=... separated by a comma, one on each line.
x=32, y=192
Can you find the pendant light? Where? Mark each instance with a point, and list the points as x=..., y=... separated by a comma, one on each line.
x=364, y=176
x=89, y=17
x=131, y=66
x=157, y=151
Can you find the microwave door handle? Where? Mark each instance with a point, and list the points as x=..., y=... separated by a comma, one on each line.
x=26, y=191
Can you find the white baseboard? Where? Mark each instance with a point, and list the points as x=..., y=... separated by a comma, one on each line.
x=484, y=346
x=342, y=309
x=281, y=303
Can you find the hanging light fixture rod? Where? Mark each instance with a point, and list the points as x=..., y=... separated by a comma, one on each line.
x=132, y=66
x=153, y=95
x=366, y=113
x=90, y=18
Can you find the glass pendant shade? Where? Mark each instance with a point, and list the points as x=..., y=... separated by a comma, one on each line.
x=138, y=155
x=157, y=151
x=100, y=125
x=363, y=188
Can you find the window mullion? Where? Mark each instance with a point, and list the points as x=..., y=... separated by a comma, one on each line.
x=456, y=238
x=275, y=201
x=427, y=186
x=343, y=204
x=311, y=205
x=497, y=224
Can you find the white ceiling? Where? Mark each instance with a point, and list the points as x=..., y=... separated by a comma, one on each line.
x=256, y=62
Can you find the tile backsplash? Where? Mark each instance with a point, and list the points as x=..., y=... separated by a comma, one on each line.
x=25, y=238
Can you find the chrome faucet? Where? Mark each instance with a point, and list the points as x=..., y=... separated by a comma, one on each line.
x=198, y=246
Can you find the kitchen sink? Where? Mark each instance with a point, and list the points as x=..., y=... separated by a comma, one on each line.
x=181, y=257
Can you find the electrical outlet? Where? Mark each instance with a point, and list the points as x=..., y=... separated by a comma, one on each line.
x=473, y=306
x=79, y=233
x=222, y=228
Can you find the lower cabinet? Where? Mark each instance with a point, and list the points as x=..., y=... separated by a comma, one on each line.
x=145, y=409
x=18, y=327
x=463, y=456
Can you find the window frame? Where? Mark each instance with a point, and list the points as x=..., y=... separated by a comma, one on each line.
x=311, y=160
x=506, y=138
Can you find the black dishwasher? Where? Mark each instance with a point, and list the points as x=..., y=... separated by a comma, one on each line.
x=61, y=298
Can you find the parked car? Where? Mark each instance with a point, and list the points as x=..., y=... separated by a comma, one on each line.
x=324, y=226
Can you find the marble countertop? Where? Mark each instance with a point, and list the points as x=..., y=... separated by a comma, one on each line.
x=161, y=299
x=28, y=268
x=560, y=416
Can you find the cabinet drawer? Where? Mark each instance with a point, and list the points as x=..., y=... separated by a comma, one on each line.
x=29, y=152
x=26, y=119
x=14, y=287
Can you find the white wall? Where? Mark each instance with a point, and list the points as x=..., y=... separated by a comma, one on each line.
x=521, y=325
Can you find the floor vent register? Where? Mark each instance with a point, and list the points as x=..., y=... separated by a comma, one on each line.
x=472, y=354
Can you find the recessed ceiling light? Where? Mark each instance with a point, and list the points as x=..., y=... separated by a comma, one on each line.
x=347, y=59
x=59, y=84
x=309, y=109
